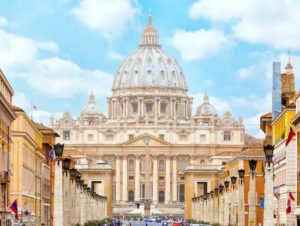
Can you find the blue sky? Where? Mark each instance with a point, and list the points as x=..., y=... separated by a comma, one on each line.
x=55, y=52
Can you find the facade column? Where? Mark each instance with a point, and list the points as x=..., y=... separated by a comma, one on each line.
x=125, y=190
x=168, y=180
x=252, y=201
x=174, y=180
x=269, y=204
x=241, y=205
x=137, y=185
x=58, y=217
x=226, y=208
x=118, y=180
x=155, y=181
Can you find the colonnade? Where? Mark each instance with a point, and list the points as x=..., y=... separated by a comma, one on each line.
x=74, y=202
x=170, y=178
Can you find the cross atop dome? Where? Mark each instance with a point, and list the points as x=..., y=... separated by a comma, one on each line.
x=205, y=99
x=150, y=35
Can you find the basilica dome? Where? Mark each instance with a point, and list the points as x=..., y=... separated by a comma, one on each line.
x=206, y=109
x=149, y=66
x=91, y=108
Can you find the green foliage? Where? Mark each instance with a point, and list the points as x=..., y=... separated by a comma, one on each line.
x=97, y=222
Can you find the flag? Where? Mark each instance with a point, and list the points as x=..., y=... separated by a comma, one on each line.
x=291, y=196
x=14, y=208
x=290, y=137
x=262, y=203
x=289, y=206
x=52, y=155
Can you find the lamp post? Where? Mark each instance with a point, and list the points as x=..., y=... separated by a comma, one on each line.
x=268, y=212
x=58, y=216
x=147, y=200
x=252, y=193
x=241, y=220
x=226, y=204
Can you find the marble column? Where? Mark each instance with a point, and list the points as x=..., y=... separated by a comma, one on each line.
x=269, y=204
x=174, y=180
x=252, y=201
x=137, y=180
x=241, y=218
x=125, y=184
x=155, y=181
x=168, y=181
x=118, y=180
x=58, y=217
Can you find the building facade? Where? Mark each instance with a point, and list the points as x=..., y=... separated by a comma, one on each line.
x=27, y=160
x=7, y=116
x=149, y=100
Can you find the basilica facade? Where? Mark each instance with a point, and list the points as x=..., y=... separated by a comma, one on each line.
x=150, y=101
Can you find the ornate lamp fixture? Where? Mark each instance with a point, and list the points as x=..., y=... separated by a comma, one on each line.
x=84, y=187
x=58, y=148
x=252, y=164
x=233, y=181
x=241, y=175
x=269, y=150
x=216, y=191
x=212, y=194
x=226, y=183
x=73, y=173
x=66, y=165
x=221, y=188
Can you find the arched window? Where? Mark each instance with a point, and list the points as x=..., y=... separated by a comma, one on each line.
x=202, y=162
x=131, y=166
x=131, y=196
x=161, y=165
x=161, y=196
x=182, y=164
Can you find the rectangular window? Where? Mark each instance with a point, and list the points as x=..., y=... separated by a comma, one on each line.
x=109, y=137
x=227, y=136
x=161, y=136
x=130, y=136
x=66, y=135
x=183, y=137
x=163, y=107
x=90, y=137
x=149, y=107
x=131, y=177
x=161, y=178
x=134, y=108
x=202, y=138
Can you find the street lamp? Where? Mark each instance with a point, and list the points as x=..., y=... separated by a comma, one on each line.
x=66, y=165
x=216, y=191
x=241, y=175
x=226, y=183
x=73, y=173
x=269, y=149
x=252, y=164
x=233, y=181
x=58, y=148
x=221, y=188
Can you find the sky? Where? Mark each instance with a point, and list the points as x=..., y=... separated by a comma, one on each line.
x=55, y=52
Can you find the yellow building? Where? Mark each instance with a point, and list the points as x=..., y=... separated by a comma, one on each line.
x=7, y=116
x=27, y=159
x=49, y=137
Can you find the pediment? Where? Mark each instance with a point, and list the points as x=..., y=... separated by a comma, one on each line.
x=139, y=141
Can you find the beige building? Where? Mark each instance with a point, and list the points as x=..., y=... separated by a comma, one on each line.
x=150, y=99
x=27, y=159
x=7, y=116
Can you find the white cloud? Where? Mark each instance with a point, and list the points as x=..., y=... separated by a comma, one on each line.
x=3, y=22
x=20, y=58
x=198, y=44
x=63, y=78
x=109, y=18
x=275, y=23
x=38, y=115
x=19, y=52
x=115, y=55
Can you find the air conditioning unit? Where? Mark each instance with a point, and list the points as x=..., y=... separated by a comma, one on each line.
x=5, y=177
